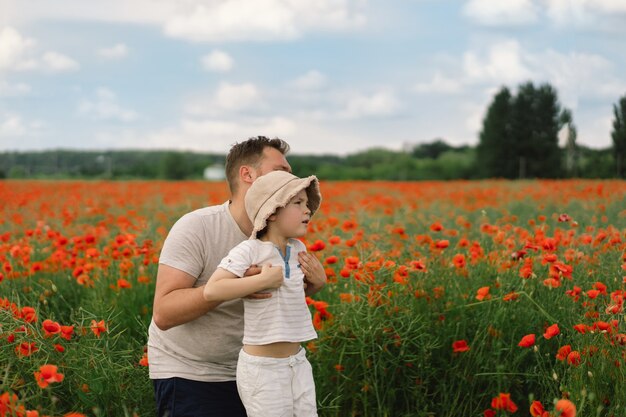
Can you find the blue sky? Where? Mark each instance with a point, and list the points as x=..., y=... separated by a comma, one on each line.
x=330, y=76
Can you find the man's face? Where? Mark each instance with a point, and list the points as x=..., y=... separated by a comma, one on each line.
x=272, y=160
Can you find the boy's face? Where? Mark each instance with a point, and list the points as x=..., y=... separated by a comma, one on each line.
x=293, y=219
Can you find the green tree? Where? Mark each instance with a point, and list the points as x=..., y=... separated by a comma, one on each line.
x=495, y=152
x=619, y=137
x=431, y=150
x=174, y=166
x=536, y=124
x=519, y=138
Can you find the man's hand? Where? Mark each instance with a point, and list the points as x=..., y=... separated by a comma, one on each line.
x=255, y=270
x=314, y=274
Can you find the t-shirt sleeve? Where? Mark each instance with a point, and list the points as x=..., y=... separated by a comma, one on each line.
x=185, y=245
x=239, y=258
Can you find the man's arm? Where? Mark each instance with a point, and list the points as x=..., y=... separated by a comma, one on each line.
x=176, y=301
x=224, y=285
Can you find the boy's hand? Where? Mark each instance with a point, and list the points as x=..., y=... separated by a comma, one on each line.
x=273, y=275
x=314, y=274
x=255, y=270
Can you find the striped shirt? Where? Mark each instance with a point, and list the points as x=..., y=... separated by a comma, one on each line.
x=284, y=317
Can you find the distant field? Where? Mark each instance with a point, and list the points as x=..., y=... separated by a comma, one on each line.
x=444, y=298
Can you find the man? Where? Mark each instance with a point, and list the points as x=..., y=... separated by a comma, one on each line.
x=193, y=344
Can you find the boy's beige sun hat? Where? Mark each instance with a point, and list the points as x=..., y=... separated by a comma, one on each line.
x=274, y=190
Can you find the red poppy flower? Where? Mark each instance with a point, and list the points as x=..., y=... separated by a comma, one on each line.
x=331, y=260
x=512, y=296
x=483, y=294
x=536, y=409
x=459, y=260
x=67, y=331
x=47, y=374
x=460, y=346
x=51, y=327
x=563, y=352
x=144, y=360
x=316, y=246
x=26, y=348
x=552, y=331
x=436, y=227
x=574, y=358
x=527, y=341
x=503, y=402
x=29, y=314
x=98, y=327
x=593, y=294
x=334, y=240
x=123, y=283
x=565, y=408
x=549, y=258
x=442, y=244
x=564, y=218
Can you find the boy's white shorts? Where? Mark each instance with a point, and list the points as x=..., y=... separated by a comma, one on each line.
x=276, y=387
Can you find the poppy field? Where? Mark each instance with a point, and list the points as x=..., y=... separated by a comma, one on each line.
x=486, y=298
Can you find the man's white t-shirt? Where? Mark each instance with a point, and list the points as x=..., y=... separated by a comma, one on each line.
x=204, y=349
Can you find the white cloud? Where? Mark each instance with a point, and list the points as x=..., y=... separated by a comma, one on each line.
x=206, y=20
x=474, y=119
x=236, y=97
x=568, y=11
x=503, y=63
x=382, y=103
x=106, y=107
x=217, y=61
x=13, y=90
x=56, y=62
x=12, y=125
x=591, y=13
x=203, y=134
x=259, y=20
x=501, y=13
x=227, y=99
x=312, y=80
x=117, y=51
x=17, y=53
x=14, y=50
x=578, y=75
x=440, y=84
x=278, y=126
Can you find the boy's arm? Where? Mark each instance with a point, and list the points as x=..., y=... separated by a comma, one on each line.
x=314, y=274
x=222, y=287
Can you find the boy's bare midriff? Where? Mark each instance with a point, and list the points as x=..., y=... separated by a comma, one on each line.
x=273, y=350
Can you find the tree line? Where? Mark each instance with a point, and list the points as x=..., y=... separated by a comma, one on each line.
x=519, y=139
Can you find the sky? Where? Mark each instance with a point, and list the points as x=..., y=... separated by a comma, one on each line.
x=328, y=76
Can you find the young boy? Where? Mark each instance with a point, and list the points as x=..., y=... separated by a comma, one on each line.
x=274, y=378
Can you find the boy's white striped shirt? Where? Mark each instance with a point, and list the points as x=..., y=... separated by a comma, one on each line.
x=284, y=317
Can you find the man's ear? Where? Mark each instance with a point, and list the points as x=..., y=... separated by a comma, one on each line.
x=245, y=174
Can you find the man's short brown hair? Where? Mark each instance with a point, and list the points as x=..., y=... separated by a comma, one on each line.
x=249, y=152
